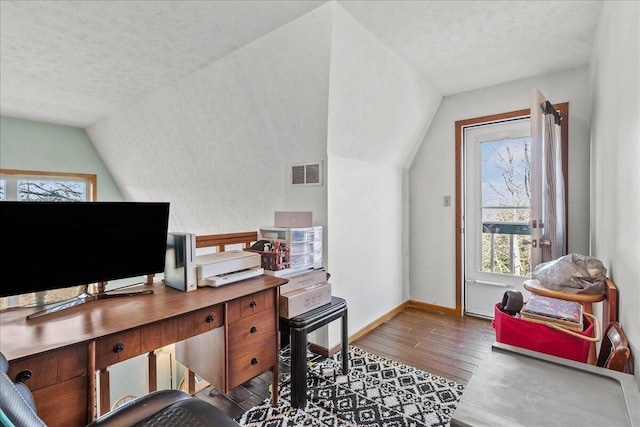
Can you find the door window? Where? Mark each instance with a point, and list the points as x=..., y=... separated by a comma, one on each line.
x=496, y=212
x=505, y=206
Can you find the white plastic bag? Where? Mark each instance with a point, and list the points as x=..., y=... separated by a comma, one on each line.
x=573, y=273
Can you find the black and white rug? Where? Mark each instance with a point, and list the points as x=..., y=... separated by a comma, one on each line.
x=377, y=392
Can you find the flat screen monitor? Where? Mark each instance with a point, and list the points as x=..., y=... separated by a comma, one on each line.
x=53, y=245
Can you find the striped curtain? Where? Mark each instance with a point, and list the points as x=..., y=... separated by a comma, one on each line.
x=547, y=183
x=553, y=231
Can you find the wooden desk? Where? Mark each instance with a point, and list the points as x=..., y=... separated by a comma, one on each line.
x=64, y=350
x=517, y=387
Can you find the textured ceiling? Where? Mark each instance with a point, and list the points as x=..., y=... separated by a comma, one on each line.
x=75, y=62
x=465, y=45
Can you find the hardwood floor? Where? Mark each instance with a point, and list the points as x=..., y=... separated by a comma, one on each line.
x=442, y=344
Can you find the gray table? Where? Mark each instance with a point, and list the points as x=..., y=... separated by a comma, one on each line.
x=517, y=387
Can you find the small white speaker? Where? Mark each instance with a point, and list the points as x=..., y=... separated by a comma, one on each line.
x=179, y=264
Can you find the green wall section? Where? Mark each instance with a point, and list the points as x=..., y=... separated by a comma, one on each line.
x=37, y=146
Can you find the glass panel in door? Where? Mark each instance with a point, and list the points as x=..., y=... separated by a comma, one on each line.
x=497, y=213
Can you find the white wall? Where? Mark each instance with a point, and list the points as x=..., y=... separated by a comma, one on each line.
x=432, y=176
x=379, y=109
x=217, y=144
x=615, y=141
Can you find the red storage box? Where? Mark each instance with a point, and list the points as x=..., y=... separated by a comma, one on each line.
x=539, y=337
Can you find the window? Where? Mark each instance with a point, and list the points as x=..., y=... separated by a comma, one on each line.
x=504, y=205
x=46, y=186
x=29, y=186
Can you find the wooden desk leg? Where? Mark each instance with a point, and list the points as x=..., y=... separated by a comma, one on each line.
x=105, y=397
x=153, y=371
x=591, y=360
x=91, y=374
x=190, y=381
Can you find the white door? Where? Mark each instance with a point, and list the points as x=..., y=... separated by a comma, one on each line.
x=497, y=195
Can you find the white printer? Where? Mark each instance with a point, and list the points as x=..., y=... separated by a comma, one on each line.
x=186, y=271
x=221, y=268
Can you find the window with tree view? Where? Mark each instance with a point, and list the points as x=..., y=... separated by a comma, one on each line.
x=35, y=186
x=506, y=193
x=49, y=187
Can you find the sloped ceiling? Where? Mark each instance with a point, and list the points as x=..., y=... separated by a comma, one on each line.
x=78, y=62
x=464, y=45
x=216, y=144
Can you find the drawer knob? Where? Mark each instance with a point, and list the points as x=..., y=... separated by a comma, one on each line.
x=23, y=376
x=253, y=330
x=210, y=318
x=118, y=348
x=253, y=304
x=254, y=361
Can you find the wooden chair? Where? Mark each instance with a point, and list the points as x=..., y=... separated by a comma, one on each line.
x=222, y=240
x=610, y=307
x=614, y=350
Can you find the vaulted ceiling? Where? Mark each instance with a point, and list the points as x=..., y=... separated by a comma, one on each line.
x=78, y=62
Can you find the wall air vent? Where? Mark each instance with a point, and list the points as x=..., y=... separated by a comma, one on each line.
x=306, y=174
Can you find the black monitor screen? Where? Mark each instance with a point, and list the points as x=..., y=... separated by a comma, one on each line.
x=51, y=245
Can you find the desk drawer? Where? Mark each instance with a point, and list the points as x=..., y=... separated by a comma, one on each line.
x=250, y=305
x=51, y=368
x=244, y=333
x=58, y=380
x=200, y=321
x=252, y=362
x=117, y=347
x=169, y=331
x=62, y=404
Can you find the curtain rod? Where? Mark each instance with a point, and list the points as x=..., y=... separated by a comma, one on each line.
x=547, y=108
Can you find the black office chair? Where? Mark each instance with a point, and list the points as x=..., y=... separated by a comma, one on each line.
x=160, y=408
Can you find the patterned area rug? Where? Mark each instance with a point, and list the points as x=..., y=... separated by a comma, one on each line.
x=376, y=392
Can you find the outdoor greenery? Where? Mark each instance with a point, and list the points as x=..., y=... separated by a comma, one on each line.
x=506, y=194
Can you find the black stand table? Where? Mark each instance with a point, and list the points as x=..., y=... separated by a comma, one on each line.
x=296, y=329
